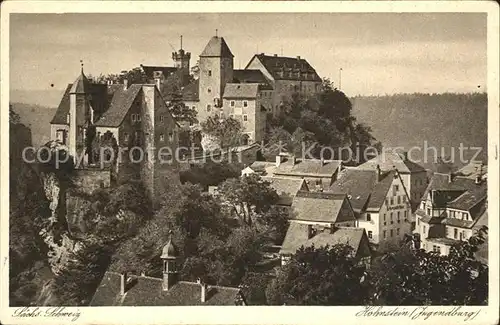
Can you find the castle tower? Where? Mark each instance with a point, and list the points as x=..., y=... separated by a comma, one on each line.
x=169, y=257
x=216, y=69
x=80, y=114
x=181, y=60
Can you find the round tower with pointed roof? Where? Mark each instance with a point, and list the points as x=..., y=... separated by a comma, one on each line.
x=169, y=257
x=80, y=113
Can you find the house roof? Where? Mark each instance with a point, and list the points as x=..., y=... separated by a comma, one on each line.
x=320, y=207
x=286, y=187
x=266, y=167
x=120, y=105
x=473, y=169
x=250, y=76
x=297, y=234
x=470, y=198
x=449, y=191
x=277, y=64
x=389, y=160
x=147, y=291
x=308, y=167
x=100, y=97
x=217, y=47
x=81, y=85
x=245, y=90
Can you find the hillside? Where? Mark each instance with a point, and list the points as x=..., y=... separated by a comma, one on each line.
x=440, y=119
x=37, y=118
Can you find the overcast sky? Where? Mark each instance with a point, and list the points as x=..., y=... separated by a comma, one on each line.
x=379, y=53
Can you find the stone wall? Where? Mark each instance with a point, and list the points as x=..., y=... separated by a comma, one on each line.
x=88, y=180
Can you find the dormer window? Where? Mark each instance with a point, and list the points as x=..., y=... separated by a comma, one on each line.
x=209, y=73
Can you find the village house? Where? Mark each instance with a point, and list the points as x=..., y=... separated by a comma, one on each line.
x=319, y=174
x=452, y=209
x=118, y=116
x=261, y=168
x=122, y=289
x=380, y=202
x=413, y=175
x=322, y=219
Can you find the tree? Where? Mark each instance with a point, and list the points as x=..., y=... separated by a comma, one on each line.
x=225, y=131
x=415, y=277
x=248, y=196
x=320, y=276
x=210, y=173
x=14, y=118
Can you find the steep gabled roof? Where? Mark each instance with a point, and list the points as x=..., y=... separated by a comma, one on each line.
x=147, y=291
x=217, y=47
x=297, y=236
x=357, y=184
x=276, y=64
x=246, y=90
x=60, y=117
x=321, y=207
x=249, y=76
x=81, y=85
x=308, y=167
x=389, y=160
x=286, y=187
x=120, y=105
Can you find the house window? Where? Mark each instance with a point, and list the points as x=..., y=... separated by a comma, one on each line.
x=396, y=188
x=161, y=118
x=385, y=222
x=392, y=200
x=464, y=216
x=368, y=217
x=391, y=232
x=399, y=199
x=170, y=136
x=392, y=221
x=209, y=90
x=209, y=107
x=370, y=234
x=232, y=103
x=138, y=117
x=428, y=211
x=461, y=235
x=133, y=118
x=245, y=117
x=162, y=138
x=404, y=198
x=406, y=215
x=385, y=234
x=209, y=73
x=423, y=230
x=397, y=231
x=398, y=218
x=245, y=103
x=418, y=221
x=126, y=137
x=455, y=233
x=60, y=135
x=138, y=137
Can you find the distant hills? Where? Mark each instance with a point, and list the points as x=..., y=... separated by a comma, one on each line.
x=396, y=120
x=443, y=120
x=37, y=118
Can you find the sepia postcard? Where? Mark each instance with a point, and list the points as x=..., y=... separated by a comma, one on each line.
x=249, y=162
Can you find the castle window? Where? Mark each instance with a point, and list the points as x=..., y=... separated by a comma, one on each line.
x=209, y=73
x=385, y=234
x=370, y=234
x=162, y=138
x=209, y=90
x=209, y=107
x=138, y=117
x=161, y=118
x=232, y=103
x=245, y=103
x=125, y=137
x=245, y=118
x=170, y=136
x=391, y=232
x=399, y=220
x=133, y=117
x=368, y=217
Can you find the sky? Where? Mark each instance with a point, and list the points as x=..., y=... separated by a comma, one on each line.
x=379, y=53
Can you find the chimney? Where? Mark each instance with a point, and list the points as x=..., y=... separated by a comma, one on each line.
x=298, y=57
x=123, y=283
x=379, y=174
x=125, y=84
x=450, y=177
x=332, y=228
x=310, y=231
x=203, y=296
x=143, y=273
x=275, y=55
